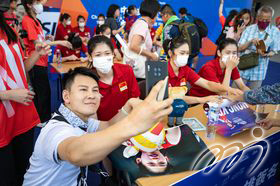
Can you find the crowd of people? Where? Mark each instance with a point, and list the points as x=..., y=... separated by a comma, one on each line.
x=101, y=106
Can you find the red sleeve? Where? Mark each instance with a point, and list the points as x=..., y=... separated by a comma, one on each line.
x=84, y=48
x=222, y=21
x=59, y=31
x=209, y=73
x=87, y=29
x=235, y=74
x=192, y=76
x=29, y=26
x=133, y=87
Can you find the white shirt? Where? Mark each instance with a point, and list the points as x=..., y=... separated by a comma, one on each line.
x=45, y=167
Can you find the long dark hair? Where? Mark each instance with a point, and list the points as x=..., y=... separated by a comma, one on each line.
x=239, y=17
x=129, y=10
x=12, y=36
x=64, y=16
x=25, y=3
x=172, y=44
x=95, y=41
x=224, y=43
x=111, y=10
x=231, y=15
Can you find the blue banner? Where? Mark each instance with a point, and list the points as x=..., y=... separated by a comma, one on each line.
x=204, y=9
x=254, y=166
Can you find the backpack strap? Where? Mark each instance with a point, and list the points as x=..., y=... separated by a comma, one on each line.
x=81, y=181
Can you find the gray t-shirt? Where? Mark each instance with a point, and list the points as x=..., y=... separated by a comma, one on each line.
x=112, y=23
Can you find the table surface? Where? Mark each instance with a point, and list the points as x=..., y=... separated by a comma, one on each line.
x=66, y=66
x=245, y=138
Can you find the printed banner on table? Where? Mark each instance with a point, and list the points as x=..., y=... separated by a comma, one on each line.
x=256, y=165
x=234, y=118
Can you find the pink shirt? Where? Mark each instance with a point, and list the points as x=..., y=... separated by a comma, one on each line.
x=140, y=27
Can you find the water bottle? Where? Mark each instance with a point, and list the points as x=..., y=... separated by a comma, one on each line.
x=58, y=58
x=213, y=117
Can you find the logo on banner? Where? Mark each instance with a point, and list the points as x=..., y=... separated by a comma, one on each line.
x=123, y=86
x=262, y=148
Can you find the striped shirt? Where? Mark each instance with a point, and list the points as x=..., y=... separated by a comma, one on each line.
x=272, y=43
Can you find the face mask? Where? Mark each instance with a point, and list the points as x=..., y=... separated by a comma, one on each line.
x=225, y=58
x=181, y=60
x=100, y=22
x=263, y=25
x=68, y=23
x=103, y=64
x=38, y=8
x=82, y=25
x=4, y=5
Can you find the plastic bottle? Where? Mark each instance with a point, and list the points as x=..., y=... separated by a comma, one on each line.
x=213, y=117
x=59, y=58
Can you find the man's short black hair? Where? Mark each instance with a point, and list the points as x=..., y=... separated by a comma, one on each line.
x=69, y=77
x=167, y=9
x=183, y=10
x=75, y=40
x=103, y=28
x=149, y=8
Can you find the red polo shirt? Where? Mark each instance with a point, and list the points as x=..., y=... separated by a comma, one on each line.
x=35, y=32
x=212, y=71
x=124, y=87
x=186, y=74
x=65, y=52
x=85, y=33
x=62, y=31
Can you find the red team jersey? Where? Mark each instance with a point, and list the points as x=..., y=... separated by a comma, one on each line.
x=85, y=33
x=62, y=31
x=15, y=118
x=35, y=32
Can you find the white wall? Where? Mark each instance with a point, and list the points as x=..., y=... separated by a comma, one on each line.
x=275, y=5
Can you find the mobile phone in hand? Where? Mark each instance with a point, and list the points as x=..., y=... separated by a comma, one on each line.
x=155, y=72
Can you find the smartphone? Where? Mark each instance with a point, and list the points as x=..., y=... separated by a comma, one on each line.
x=240, y=22
x=155, y=72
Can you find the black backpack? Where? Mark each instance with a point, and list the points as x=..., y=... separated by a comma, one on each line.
x=201, y=27
x=188, y=31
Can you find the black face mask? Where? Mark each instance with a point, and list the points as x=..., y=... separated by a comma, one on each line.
x=4, y=5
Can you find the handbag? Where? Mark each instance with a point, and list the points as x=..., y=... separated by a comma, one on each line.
x=248, y=61
x=251, y=60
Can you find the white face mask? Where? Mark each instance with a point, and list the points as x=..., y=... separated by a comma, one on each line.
x=181, y=60
x=38, y=8
x=103, y=64
x=225, y=58
x=100, y=22
x=68, y=22
x=82, y=25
